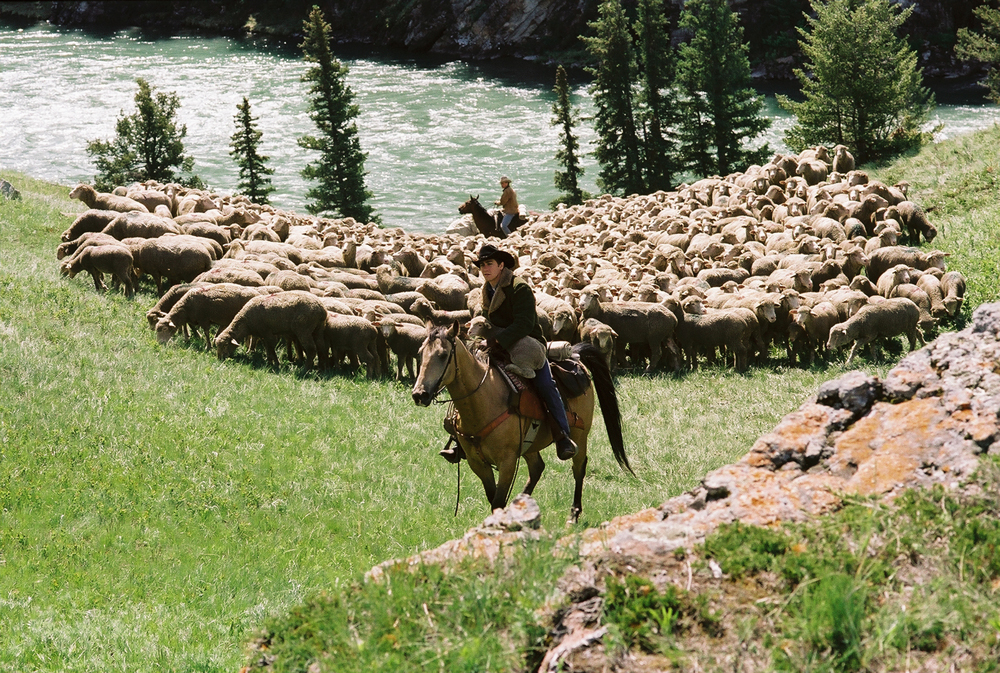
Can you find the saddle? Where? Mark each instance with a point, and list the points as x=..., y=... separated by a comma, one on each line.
x=524, y=401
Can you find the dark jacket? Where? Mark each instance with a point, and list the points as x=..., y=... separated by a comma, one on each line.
x=512, y=311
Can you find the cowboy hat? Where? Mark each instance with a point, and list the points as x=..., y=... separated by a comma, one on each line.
x=489, y=251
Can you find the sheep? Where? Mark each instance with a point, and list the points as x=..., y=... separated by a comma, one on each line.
x=115, y=260
x=230, y=274
x=921, y=299
x=168, y=301
x=913, y=218
x=932, y=286
x=883, y=259
x=953, y=287
x=170, y=259
x=728, y=329
x=843, y=161
x=447, y=291
x=295, y=314
x=221, y=235
x=426, y=311
x=354, y=337
x=404, y=340
x=151, y=198
x=816, y=323
x=140, y=225
x=886, y=318
x=103, y=201
x=290, y=280
x=213, y=304
x=561, y=315
x=897, y=275
x=814, y=171
x=634, y=322
x=92, y=220
x=391, y=282
x=70, y=248
x=601, y=336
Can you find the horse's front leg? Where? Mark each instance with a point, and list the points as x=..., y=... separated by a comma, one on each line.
x=483, y=471
x=506, y=469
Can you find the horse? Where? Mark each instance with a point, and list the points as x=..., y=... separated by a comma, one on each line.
x=491, y=434
x=488, y=225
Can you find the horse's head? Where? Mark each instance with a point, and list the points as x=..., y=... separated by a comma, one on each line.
x=470, y=206
x=437, y=357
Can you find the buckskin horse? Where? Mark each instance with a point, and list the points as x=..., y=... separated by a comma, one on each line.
x=492, y=434
x=487, y=224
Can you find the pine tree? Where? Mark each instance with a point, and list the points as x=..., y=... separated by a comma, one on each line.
x=617, y=149
x=657, y=99
x=148, y=144
x=254, y=182
x=720, y=113
x=861, y=84
x=984, y=47
x=566, y=116
x=339, y=171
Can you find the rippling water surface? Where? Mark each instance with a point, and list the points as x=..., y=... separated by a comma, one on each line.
x=434, y=131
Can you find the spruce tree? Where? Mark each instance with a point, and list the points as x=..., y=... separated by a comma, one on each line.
x=861, y=84
x=720, y=113
x=148, y=144
x=657, y=100
x=254, y=182
x=617, y=149
x=566, y=116
x=985, y=46
x=339, y=170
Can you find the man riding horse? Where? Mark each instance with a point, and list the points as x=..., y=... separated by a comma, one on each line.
x=509, y=306
x=508, y=204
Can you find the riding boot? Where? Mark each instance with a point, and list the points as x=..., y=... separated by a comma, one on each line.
x=549, y=394
x=452, y=455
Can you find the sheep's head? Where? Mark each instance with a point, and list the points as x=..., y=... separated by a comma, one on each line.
x=838, y=336
x=225, y=346
x=165, y=329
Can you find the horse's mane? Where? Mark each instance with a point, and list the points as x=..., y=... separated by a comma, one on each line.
x=474, y=202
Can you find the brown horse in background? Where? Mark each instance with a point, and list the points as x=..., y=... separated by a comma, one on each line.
x=488, y=225
x=491, y=435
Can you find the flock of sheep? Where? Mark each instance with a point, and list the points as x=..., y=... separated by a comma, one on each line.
x=803, y=254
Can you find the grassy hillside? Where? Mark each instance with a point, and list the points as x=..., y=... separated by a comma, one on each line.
x=157, y=506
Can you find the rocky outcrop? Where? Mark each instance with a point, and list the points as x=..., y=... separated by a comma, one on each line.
x=926, y=423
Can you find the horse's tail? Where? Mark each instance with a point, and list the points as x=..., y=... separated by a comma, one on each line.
x=604, y=386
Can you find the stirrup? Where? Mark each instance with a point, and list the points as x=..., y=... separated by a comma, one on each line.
x=566, y=448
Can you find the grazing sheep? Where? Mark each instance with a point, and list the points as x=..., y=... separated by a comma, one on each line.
x=103, y=201
x=170, y=259
x=114, y=260
x=884, y=319
x=168, y=301
x=404, y=340
x=425, y=310
x=914, y=220
x=636, y=323
x=70, y=248
x=953, y=287
x=897, y=275
x=354, y=337
x=298, y=315
x=92, y=220
x=152, y=198
x=213, y=304
x=231, y=274
x=930, y=284
x=140, y=225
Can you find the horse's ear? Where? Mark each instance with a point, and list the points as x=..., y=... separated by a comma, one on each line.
x=477, y=197
x=454, y=329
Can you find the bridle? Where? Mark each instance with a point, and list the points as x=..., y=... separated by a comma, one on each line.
x=440, y=387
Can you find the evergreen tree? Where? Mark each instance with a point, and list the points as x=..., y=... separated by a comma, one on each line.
x=617, y=148
x=861, y=84
x=339, y=170
x=720, y=113
x=984, y=47
x=253, y=166
x=148, y=144
x=565, y=116
x=657, y=99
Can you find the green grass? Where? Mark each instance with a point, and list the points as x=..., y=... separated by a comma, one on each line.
x=158, y=507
